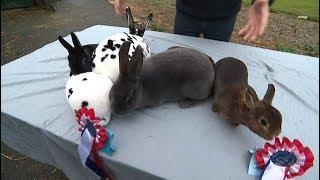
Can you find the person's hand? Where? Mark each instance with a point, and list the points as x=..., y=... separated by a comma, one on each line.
x=257, y=20
x=118, y=7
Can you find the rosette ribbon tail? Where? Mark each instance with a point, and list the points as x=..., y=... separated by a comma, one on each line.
x=86, y=150
x=273, y=171
x=94, y=137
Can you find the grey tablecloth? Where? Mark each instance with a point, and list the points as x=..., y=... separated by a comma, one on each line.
x=161, y=142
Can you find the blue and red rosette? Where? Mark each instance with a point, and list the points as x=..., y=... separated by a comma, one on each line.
x=88, y=114
x=284, y=159
x=94, y=137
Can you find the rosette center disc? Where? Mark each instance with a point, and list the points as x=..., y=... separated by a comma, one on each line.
x=283, y=158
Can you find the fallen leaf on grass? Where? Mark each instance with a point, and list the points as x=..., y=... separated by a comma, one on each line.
x=11, y=157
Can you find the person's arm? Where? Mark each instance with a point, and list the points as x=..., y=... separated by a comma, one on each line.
x=257, y=20
x=118, y=6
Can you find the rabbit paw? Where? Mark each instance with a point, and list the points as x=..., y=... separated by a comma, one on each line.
x=214, y=109
x=235, y=124
x=187, y=103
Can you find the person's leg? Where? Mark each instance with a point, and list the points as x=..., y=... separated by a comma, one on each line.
x=186, y=25
x=220, y=29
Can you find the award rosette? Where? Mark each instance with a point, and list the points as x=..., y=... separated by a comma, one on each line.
x=283, y=160
x=93, y=138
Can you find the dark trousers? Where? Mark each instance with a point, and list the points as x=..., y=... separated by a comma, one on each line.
x=219, y=29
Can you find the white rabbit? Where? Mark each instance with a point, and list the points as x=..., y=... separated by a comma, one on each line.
x=91, y=90
x=106, y=58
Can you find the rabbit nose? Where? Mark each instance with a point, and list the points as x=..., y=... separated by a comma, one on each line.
x=115, y=109
x=118, y=112
x=270, y=138
x=277, y=132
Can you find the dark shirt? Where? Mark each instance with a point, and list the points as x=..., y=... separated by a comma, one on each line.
x=209, y=9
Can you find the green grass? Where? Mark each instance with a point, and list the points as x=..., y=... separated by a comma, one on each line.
x=312, y=50
x=155, y=26
x=308, y=8
x=286, y=48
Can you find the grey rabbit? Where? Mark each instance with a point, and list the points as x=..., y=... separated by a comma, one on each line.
x=79, y=57
x=237, y=102
x=176, y=74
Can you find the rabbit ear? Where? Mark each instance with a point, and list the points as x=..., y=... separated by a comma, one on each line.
x=75, y=40
x=130, y=20
x=144, y=25
x=85, y=51
x=65, y=43
x=135, y=64
x=250, y=97
x=173, y=47
x=268, y=97
x=123, y=57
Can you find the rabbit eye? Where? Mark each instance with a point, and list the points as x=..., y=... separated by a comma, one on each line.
x=129, y=97
x=263, y=122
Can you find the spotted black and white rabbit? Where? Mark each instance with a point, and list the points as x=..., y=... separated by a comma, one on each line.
x=79, y=57
x=106, y=59
x=92, y=91
x=176, y=74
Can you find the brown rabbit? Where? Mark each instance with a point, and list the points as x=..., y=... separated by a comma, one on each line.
x=237, y=102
